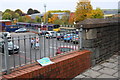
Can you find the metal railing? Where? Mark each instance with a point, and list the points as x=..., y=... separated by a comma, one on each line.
x=27, y=49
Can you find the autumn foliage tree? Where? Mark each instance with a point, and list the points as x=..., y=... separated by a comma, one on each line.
x=82, y=10
x=54, y=18
x=71, y=18
x=97, y=13
x=47, y=17
x=65, y=19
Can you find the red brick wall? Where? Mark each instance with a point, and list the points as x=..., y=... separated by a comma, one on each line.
x=65, y=66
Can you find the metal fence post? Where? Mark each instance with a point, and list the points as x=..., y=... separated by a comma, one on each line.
x=6, y=53
x=81, y=37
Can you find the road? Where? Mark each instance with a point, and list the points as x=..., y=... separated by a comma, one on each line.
x=48, y=48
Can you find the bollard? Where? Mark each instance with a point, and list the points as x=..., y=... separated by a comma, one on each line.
x=6, y=53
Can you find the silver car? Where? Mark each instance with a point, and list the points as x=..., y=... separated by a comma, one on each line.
x=21, y=30
x=50, y=34
x=11, y=47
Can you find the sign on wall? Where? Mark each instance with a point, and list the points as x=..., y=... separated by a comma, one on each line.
x=45, y=61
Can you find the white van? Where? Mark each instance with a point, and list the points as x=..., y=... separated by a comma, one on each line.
x=50, y=34
x=8, y=35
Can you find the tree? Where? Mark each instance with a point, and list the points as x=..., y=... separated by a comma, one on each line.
x=71, y=18
x=7, y=11
x=54, y=18
x=49, y=14
x=37, y=19
x=65, y=19
x=98, y=13
x=21, y=19
x=58, y=21
x=49, y=17
x=30, y=11
x=12, y=13
x=36, y=11
x=25, y=18
x=82, y=10
x=19, y=12
x=7, y=16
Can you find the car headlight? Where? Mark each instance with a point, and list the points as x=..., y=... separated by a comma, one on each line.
x=17, y=47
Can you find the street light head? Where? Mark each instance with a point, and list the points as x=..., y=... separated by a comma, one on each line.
x=44, y=5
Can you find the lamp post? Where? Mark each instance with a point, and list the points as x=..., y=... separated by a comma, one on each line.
x=45, y=13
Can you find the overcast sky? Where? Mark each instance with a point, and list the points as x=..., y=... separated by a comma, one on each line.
x=24, y=5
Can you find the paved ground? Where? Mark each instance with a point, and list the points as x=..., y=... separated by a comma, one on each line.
x=106, y=69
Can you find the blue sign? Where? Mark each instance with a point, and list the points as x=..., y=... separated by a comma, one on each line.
x=45, y=61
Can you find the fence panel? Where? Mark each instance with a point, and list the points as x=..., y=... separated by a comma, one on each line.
x=27, y=49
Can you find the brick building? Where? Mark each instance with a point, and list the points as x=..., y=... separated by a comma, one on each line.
x=3, y=23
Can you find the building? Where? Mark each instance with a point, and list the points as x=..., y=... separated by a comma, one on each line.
x=3, y=23
x=33, y=16
x=60, y=14
x=110, y=13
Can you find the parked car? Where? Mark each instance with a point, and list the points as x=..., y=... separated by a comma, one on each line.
x=21, y=30
x=11, y=47
x=75, y=39
x=8, y=35
x=42, y=32
x=68, y=37
x=63, y=49
x=50, y=34
x=60, y=36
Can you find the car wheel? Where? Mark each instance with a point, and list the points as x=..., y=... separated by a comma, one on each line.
x=68, y=41
x=73, y=42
